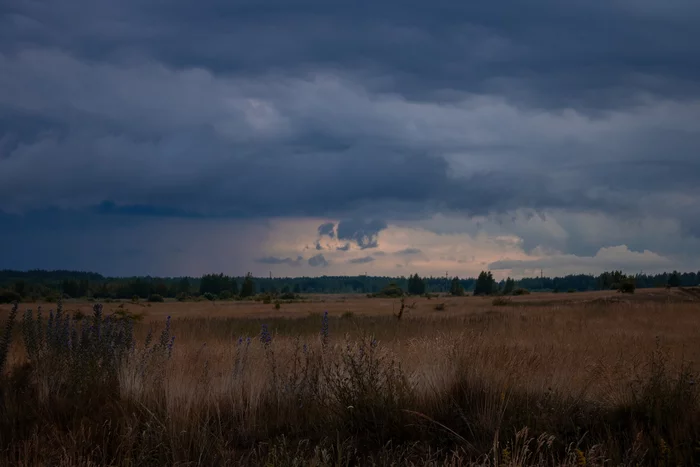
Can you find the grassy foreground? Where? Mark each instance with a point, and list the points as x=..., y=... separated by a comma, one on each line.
x=596, y=384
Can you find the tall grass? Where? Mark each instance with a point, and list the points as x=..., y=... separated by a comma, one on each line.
x=576, y=385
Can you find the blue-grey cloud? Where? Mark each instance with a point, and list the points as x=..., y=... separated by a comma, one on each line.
x=318, y=261
x=409, y=252
x=345, y=111
x=364, y=233
x=363, y=260
x=275, y=260
x=327, y=229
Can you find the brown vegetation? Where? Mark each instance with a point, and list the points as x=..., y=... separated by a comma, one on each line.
x=562, y=381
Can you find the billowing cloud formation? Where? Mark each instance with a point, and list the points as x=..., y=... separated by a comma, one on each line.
x=327, y=229
x=275, y=260
x=363, y=233
x=318, y=261
x=363, y=260
x=384, y=111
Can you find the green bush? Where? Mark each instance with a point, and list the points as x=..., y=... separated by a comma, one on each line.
x=155, y=298
x=390, y=291
x=277, y=305
x=209, y=296
x=225, y=295
x=628, y=287
x=521, y=291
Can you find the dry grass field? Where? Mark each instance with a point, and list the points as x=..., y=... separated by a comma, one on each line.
x=595, y=378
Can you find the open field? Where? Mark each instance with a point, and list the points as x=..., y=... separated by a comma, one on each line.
x=358, y=304
x=594, y=378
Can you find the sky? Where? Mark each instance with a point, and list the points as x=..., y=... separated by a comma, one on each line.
x=347, y=137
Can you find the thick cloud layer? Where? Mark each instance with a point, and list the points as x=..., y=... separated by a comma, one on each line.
x=583, y=114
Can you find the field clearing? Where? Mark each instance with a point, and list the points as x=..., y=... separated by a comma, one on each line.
x=359, y=304
x=599, y=375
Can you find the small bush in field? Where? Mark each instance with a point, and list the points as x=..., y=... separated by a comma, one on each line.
x=225, y=295
x=571, y=291
x=521, y=291
x=209, y=296
x=155, y=298
x=277, y=305
x=135, y=298
x=440, y=307
x=627, y=287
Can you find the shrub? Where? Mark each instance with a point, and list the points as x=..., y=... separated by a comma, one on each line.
x=135, y=298
x=225, y=295
x=9, y=296
x=181, y=297
x=440, y=307
x=628, y=287
x=571, y=291
x=390, y=291
x=156, y=298
x=348, y=315
x=209, y=296
x=277, y=305
x=521, y=291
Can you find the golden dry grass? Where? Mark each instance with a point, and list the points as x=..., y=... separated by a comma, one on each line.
x=572, y=365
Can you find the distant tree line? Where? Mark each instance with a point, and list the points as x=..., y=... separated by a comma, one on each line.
x=41, y=284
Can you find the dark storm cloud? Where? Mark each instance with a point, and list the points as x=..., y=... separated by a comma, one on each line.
x=363, y=260
x=364, y=233
x=318, y=261
x=352, y=110
x=327, y=229
x=276, y=260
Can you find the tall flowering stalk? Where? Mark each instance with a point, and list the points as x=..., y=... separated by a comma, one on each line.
x=324, y=330
x=6, y=338
x=265, y=336
x=75, y=354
